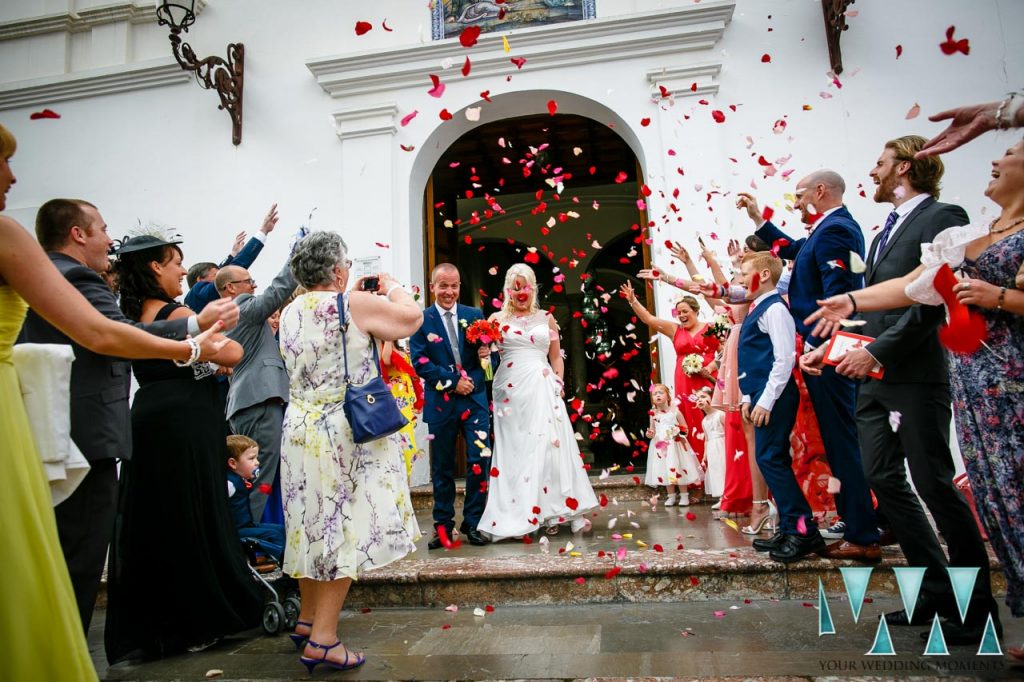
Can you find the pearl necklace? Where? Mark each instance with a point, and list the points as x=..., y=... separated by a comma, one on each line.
x=992, y=228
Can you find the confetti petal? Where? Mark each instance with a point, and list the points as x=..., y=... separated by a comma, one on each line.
x=469, y=36
x=363, y=27
x=913, y=112
x=894, y=420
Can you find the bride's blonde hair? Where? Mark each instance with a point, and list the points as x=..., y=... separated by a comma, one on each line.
x=526, y=272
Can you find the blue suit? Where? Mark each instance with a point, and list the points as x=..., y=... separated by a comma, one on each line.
x=446, y=413
x=204, y=293
x=821, y=269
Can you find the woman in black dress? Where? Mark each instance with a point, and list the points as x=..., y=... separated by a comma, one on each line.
x=177, y=574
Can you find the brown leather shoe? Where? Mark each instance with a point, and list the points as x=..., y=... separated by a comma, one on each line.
x=848, y=550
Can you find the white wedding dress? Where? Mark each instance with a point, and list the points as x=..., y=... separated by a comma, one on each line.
x=540, y=477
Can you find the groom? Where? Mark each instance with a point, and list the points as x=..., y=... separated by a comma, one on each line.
x=456, y=400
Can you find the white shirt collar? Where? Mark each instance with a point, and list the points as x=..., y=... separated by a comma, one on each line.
x=910, y=204
x=757, y=301
x=453, y=310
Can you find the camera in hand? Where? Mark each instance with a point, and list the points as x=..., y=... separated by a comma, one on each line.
x=371, y=283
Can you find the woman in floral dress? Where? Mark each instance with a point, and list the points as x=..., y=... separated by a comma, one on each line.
x=347, y=507
x=988, y=383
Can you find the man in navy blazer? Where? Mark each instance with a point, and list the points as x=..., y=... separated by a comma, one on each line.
x=455, y=396
x=822, y=267
x=201, y=287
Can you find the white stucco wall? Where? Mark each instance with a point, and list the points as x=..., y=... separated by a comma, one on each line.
x=164, y=154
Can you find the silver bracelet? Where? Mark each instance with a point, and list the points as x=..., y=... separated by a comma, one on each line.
x=193, y=356
x=391, y=288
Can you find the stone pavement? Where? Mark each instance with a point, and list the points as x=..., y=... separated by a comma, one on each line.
x=721, y=639
x=621, y=601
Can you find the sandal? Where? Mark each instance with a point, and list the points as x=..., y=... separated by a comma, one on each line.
x=350, y=661
x=298, y=639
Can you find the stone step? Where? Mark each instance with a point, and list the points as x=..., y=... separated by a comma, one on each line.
x=624, y=487
x=648, y=576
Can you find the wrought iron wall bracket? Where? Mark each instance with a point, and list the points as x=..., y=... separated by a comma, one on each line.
x=214, y=73
x=835, y=24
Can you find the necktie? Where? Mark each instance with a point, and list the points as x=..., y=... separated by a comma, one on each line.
x=886, y=231
x=453, y=336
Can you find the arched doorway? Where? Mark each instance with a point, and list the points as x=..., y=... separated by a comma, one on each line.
x=561, y=193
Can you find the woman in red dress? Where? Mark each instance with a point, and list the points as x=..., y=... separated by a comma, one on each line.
x=691, y=375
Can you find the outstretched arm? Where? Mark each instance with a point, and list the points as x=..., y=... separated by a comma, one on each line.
x=25, y=267
x=663, y=326
x=971, y=121
x=881, y=296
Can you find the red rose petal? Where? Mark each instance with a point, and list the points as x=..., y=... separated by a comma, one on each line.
x=494, y=472
x=690, y=516
x=518, y=61
x=645, y=122
x=45, y=113
x=581, y=580
x=694, y=581
x=951, y=46
x=766, y=58
x=363, y=27
x=384, y=25
x=572, y=503
x=718, y=116
x=552, y=107
x=899, y=51
x=469, y=36
x=445, y=115
x=466, y=66
x=613, y=572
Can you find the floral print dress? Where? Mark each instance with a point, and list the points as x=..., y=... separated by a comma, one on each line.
x=988, y=402
x=346, y=507
x=988, y=395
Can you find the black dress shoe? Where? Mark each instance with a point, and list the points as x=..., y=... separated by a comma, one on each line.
x=774, y=542
x=435, y=542
x=969, y=634
x=924, y=613
x=796, y=547
x=475, y=538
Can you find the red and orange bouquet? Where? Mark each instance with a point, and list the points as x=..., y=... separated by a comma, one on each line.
x=484, y=332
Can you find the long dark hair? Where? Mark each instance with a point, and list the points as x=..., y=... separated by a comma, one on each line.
x=137, y=281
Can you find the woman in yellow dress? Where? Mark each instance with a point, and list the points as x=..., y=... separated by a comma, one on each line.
x=408, y=391
x=40, y=627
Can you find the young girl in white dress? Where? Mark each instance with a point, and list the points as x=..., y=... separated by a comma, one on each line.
x=537, y=476
x=714, y=445
x=670, y=460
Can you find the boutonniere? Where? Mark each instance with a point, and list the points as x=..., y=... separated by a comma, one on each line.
x=463, y=323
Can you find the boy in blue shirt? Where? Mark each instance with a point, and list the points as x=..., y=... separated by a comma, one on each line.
x=242, y=466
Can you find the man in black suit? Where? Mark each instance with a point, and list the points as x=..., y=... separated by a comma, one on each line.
x=74, y=236
x=915, y=386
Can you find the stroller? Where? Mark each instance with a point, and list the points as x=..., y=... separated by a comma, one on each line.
x=278, y=613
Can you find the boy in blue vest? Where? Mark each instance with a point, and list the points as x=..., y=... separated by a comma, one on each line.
x=767, y=354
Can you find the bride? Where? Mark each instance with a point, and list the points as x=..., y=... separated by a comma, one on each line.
x=537, y=475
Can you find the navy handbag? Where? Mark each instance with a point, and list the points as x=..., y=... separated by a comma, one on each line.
x=371, y=410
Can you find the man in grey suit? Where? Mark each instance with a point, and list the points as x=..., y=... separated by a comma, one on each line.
x=916, y=386
x=74, y=236
x=259, y=383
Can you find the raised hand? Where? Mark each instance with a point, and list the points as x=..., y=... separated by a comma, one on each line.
x=270, y=221
x=830, y=313
x=968, y=123
x=734, y=249
x=223, y=310
x=709, y=289
x=648, y=273
x=626, y=291
x=680, y=252
x=239, y=242
x=746, y=201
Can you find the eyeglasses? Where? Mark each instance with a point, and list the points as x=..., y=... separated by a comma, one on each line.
x=348, y=264
x=251, y=282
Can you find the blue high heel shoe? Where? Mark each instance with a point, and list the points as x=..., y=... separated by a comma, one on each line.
x=350, y=661
x=300, y=640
